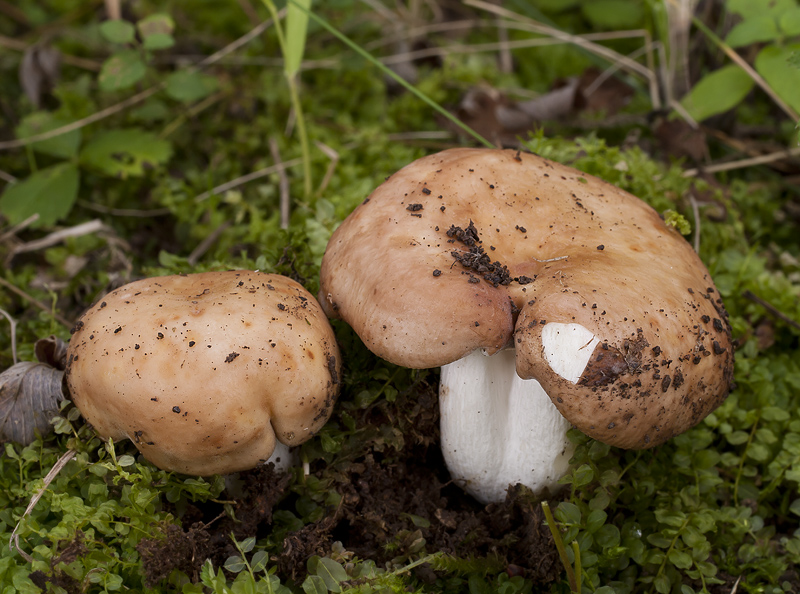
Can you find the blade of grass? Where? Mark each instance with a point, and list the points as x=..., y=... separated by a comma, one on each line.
x=296, y=29
x=390, y=73
x=292, y=51
x=562, y=551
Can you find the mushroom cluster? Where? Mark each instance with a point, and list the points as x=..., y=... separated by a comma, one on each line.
x=207, y=372
x=549, y=297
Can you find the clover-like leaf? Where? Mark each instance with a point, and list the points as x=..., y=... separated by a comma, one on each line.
x=50, y=193
x=122, y=70
x=126, y=152
x=118, y=31
x=189, y=86
x=63, y=145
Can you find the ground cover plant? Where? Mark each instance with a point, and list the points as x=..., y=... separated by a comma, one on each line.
x=198, y=138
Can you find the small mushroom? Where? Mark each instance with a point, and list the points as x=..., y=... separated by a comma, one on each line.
x=607, y=314
x=206, y=373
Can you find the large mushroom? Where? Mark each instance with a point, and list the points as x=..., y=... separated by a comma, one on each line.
x=208, y=372
x=607, y=314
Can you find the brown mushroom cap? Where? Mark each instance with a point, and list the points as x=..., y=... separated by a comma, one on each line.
x=204, y=371
x=481, y=248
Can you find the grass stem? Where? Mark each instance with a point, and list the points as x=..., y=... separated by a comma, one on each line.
x=391, y=74
x=562, y=551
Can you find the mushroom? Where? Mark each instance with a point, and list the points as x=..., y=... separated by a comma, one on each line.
x=206, y=373
x=607, y=314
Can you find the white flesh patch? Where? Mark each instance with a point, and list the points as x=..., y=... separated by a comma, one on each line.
x=498, y=430
x=567, y=348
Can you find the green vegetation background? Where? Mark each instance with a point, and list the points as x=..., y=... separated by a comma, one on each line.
x=715, y=507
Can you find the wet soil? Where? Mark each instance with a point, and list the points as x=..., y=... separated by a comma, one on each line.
x=393, y=490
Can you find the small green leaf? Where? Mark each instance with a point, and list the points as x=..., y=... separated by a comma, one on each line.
x=568, y=513
x=789, y=22
x=189, y=86
x=595, y=520
x=773, y=64
x=117, y=31
x=63, y=145
x=155, y=24
x=583, y=475
x=247, y=544
x=661, y=584
x=795, y=507
x=158, y=41
x=680, y=559
x=122, y=70
x=755, y=30
x=50, y=193
x=331, y=573
x=774, y=413
x=748, y=9
x=313, y=584
x=607, y=536
x=235, y=564
x=126, y=460
x=717, y=92
x=126, y=152
x=259, y=561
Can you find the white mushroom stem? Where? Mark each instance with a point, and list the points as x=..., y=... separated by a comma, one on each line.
x=498, y=429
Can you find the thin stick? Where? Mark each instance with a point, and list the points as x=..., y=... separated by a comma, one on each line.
x=334, y=157
x=248, y=178
x=204, y=245
x=19, y=227
x=125, y=212
x=59, y=318
x=537, y=27
x=13, y=323
x=57, y=467
x=57, y=237
x=742, y=163
x=506, y=62
x=283, y=184
x=7, y=177
x=771, y=309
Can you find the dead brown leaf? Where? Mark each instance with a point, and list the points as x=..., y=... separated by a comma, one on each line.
x=31, y=391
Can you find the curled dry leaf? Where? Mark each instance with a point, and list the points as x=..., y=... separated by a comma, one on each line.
x=39, y=71
x=30, y=392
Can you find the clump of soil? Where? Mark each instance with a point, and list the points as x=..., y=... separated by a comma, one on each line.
x=177, y=549
x=394, y=492
x=476, y=258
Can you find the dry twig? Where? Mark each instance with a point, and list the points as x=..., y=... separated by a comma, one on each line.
x=57, y=467
x=16, y=290
x=771, y=309
x=204, y=245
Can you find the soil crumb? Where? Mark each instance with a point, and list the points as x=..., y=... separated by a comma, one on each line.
x=476, y=258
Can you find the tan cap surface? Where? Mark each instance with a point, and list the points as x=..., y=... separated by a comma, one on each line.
x=549, y=244
x=204, y=371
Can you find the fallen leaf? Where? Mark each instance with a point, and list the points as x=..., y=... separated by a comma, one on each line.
x=31, y=391
x=39, y=71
